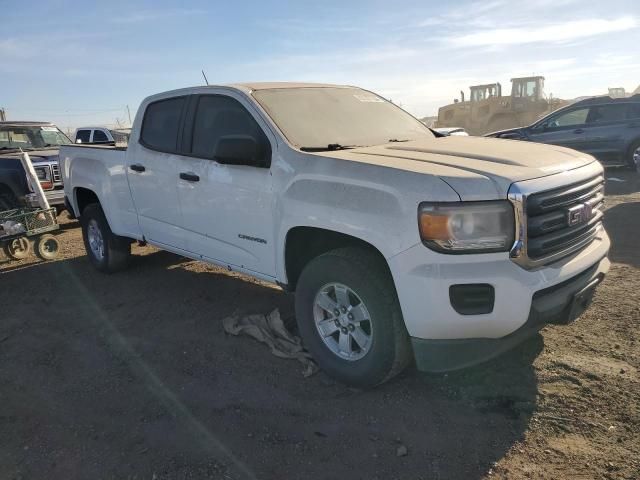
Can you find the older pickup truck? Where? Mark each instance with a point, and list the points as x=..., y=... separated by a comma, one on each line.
x=41, y=140
x=399, y=245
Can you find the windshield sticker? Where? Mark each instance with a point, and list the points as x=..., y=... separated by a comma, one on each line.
x=368, y=98
x=49, y=129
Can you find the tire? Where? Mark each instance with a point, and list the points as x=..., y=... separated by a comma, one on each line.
x=18, y=248
x=47, y=247
x=387, y=350
x=107, y=252
x=633, y=159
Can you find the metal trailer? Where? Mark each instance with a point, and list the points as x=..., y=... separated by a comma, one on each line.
x=18, y=227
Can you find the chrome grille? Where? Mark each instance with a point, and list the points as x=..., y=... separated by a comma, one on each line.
x=55, y=170
x=555, y=218
x=560, y=219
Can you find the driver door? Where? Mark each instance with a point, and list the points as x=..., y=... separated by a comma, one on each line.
x=227, y=210
x=566, y=129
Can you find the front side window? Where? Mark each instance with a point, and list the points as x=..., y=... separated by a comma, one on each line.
x=569, y=119
x=219, y=117
x=83, y=136
x=318, y=117
x=161, y=123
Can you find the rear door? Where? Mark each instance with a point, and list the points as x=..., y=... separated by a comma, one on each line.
x=152, y=170
x=608, y=133
x=227, y=209
x=567, y=129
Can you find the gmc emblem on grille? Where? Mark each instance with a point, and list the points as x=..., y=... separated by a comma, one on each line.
x=579, y=214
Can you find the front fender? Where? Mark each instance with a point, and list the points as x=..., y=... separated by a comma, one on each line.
x=374, y=204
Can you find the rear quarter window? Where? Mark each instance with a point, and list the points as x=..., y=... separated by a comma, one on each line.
x=161, y=123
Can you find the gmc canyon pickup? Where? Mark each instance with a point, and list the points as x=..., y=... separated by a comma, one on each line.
x=399, y=245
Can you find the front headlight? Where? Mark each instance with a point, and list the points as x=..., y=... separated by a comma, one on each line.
x=467, y=227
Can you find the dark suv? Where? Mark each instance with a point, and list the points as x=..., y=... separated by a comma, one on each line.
x=607, y=128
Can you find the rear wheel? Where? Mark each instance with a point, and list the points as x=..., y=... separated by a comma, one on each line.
x=18, y=248
x=107, y=252
x=47, y=247
x=349, y=317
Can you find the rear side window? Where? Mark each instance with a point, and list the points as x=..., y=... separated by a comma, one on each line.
x=218, y=116
x=161, y=123
x=83, y=136
x=608, y=113
x=99, y=136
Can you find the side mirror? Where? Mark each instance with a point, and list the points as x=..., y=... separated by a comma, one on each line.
x=78, y=140
x=241, y=150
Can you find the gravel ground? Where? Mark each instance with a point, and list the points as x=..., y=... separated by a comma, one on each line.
x=130, y=376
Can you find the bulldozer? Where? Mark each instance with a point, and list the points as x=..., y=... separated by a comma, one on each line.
x=487, y=110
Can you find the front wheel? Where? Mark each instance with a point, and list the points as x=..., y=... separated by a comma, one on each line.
x=349, y=317
x=107, y=252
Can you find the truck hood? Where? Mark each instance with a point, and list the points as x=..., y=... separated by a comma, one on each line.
x=36, y=156
x=476, y=167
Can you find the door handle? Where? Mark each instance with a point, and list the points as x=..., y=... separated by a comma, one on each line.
x=136, y=167
x=189, y=177
x=578, y=130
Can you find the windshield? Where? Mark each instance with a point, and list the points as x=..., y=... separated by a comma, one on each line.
x=333, y=117
x=31, y=137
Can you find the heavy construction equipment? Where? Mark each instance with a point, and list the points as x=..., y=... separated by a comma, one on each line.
x=487, y=110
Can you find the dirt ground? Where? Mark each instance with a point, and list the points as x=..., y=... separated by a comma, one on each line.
x=130, y=376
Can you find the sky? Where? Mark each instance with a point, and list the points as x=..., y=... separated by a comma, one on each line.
x=81, y=63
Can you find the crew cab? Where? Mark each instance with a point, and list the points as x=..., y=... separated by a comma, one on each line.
x=399, y=245
x=42, y=141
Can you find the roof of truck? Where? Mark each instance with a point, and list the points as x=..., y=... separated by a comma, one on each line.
x=274, y=85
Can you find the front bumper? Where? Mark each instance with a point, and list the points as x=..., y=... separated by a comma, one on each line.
x=423, y=280
x=559, y=304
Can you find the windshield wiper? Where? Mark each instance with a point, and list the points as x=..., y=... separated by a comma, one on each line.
x=395, y=140
x=329, y=148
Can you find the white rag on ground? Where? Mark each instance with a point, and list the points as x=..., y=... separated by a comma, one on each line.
x=270, y=329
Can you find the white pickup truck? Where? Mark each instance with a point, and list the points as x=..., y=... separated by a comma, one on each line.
x=400, y=244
